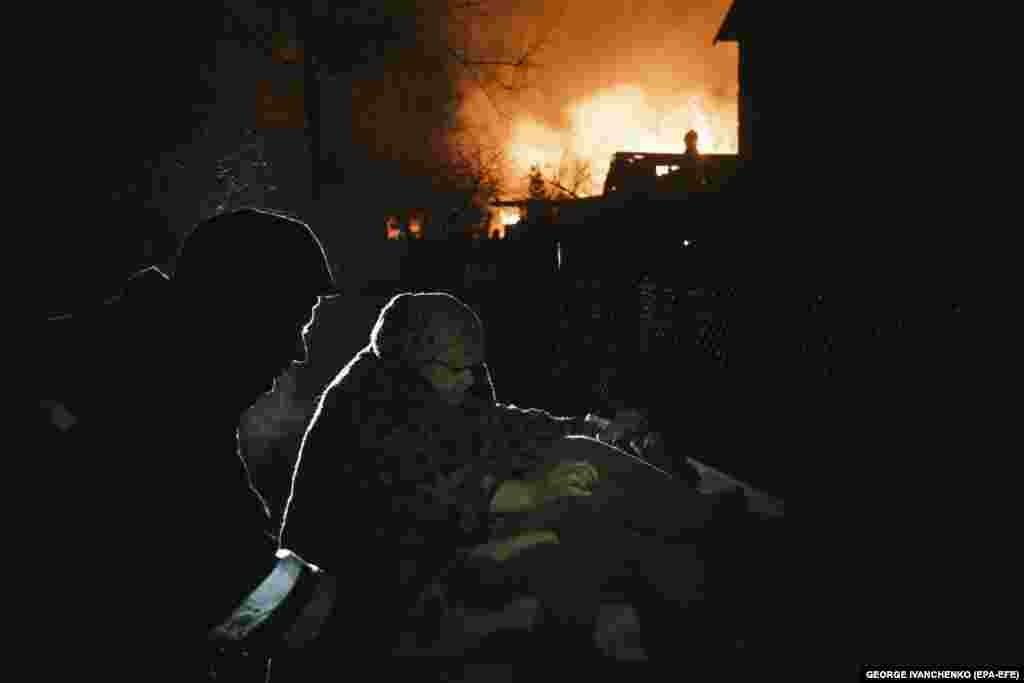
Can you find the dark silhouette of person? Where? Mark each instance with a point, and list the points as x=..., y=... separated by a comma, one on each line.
x=392, y=478
x=150, y=527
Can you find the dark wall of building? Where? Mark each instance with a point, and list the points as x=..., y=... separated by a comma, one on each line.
x=747, y=110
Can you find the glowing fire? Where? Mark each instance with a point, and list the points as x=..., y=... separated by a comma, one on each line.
x=617, y=120
x=413, y=230
x=415, y=227
x=509, y=216
x=501, y=220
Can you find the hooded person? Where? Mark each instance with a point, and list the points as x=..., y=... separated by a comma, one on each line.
x=409, y=457
x=411, y=469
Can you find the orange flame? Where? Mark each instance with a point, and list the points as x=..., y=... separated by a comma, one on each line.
x=416, y=227
x=502, y=219
x=509, y=216
x=622, y=119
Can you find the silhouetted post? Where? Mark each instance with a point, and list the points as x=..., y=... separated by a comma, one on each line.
x=691, y=145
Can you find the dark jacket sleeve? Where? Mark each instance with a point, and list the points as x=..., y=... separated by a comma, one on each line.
x=427, y=461
x=373, y=470
x=230, y=523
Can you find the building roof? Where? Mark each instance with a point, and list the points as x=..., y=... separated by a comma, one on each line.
x=732, y=26
x=634, y=169
x=651, y=158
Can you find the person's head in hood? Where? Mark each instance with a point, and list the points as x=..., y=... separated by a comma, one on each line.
x=439, y=338
x=247, y=284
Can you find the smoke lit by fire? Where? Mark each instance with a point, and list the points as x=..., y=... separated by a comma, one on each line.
x=276, y=413
x=611, y=77
x=618, y=119
x=603, y=77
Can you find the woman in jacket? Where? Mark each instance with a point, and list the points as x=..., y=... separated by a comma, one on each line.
x=411, y=467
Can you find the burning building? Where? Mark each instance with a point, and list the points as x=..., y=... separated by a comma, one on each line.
x=644, y=171
x=651, y=160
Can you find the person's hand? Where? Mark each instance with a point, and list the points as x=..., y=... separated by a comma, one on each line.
x=566, y=479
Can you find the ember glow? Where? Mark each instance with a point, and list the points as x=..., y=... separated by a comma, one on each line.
x=502, y=219
x=509, y=216
x=416, y=227
x=394, y=232
x=621, y=119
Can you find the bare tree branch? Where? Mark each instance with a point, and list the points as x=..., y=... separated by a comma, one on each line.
x=561, y=187
x=474, y=66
